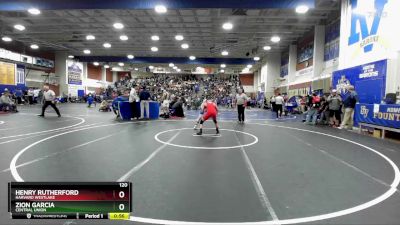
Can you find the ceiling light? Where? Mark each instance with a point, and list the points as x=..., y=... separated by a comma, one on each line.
x=106, y=66
x=123, y=37
x=179, y=37
x=34, y=46
x=302, y=9
x=121, y=64
x=90, y=37
x=178, y=70
x=175, y=67
x=34, y=11
x=222, y=71
x=249, y=66
x=118, y=25
x=96, y=63
x=154, y=49
x=71, y=56
x=19, y=27
x=185, y=46
x=245, y=70
x=107, y=45
x=256, y=58
x=6, y=39
x=160, y=9
x=275, y=39
x=192, y=57
x=155, y=38
x=171, y=65
x=223, y=65
x=130, y=56
x=151, y=67
x=267, y=48
x=136, y=69
x=224, y=53
x=114, y=68
x=227, y=26
x=86, y=51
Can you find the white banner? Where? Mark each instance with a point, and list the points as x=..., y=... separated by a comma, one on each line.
x=369, y=31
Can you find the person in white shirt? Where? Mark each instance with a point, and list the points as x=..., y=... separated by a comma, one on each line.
x=241, y=99
x=279, y=101
x=49, y=96
x=133, y=98
x=30, y=96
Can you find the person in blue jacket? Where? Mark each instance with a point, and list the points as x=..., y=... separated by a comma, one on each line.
x=121, y=98
x=90, y=100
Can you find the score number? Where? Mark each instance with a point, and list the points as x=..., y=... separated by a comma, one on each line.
x=121, y=195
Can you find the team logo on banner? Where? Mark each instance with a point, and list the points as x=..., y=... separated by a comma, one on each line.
x=368, y=35
x=342, y=84
x=364, y=111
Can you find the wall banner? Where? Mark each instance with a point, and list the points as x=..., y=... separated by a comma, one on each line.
x=381, y=115
x=74, y=72
x=369, y=31
x=369, y=81
x=7, y=73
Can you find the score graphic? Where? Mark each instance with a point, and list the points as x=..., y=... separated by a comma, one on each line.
x=104, y=200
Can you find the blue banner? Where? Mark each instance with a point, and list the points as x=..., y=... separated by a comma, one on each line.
x=369, y=81
x=381, y=115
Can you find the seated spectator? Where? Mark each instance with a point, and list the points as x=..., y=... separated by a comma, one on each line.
x=6, y=103
x=177, y=108
x=121, y=98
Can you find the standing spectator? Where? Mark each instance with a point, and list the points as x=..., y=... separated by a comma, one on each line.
x=36, y=95
x=19, y=95
x=40, y=97
x=349, y=103
x=335, y=102
x=313, y=109
x=272, y=101
x=133, y=98
x=144, y=97
x=279, y=101
x=241, y=99
x=30, y=96
x=49, y=100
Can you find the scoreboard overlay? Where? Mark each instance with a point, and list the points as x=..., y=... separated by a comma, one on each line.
x=70, y=200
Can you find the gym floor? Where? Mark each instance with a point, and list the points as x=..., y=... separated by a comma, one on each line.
x=266, y=170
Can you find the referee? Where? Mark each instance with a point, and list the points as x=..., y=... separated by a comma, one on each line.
x=49, y=97
x=241, y=99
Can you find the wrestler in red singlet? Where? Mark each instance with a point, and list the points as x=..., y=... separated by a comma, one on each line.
x=212, y=112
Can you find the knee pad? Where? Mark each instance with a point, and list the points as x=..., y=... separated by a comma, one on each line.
x=202, y=121
x=215, y=121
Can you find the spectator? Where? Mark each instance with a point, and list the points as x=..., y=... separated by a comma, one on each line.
x=121, y=98
x=279, y=101
x=349, y=103
x=273, y=105
x=133, y=99
x=335, y=102
x=19, y=94
x=313, y=109
x=177, y=108
x=6, y=103
x=144, y=97
x=30, y=96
